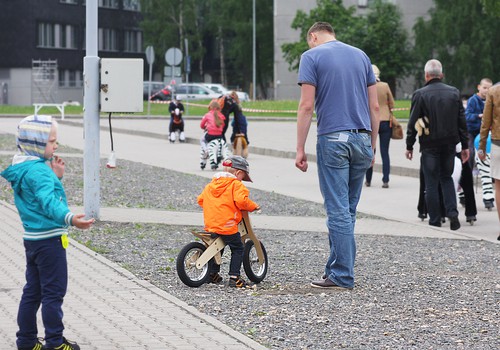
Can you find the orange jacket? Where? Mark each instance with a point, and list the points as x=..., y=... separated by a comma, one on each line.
x=222, y=201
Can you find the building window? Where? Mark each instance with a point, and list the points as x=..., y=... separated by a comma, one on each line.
x=58, y=36
x=108, y=39
x=132, y=5
x=364, y=3
x=112, y=4
x=70, y=78
x=133, y=41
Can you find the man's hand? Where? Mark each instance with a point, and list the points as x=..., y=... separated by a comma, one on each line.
x=80, y=222
x=409, y=155
x=464, y=155
x=301, y=161
x=57, y=166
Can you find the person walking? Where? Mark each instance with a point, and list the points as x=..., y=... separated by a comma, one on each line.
x=491, y=121
x=439, y=108
x=386, y=103
x=337, y=80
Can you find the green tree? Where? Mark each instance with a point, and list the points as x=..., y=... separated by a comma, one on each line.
x=491, y=7
x=380, y=34
x=218, y=31
x=348, y=27
x=386, y=41
x=464, y=38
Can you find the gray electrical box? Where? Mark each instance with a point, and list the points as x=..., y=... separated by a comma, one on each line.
x=122, y=85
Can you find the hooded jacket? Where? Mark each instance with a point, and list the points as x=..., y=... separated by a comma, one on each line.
x=222, y=201
x=39, y=197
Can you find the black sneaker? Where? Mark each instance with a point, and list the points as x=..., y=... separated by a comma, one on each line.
x=454, y=223
x=215, y=278
x=37, y=346
x=66, y=345
x=237, y=282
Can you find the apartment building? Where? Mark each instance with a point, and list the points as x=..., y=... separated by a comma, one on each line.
x=42, y=45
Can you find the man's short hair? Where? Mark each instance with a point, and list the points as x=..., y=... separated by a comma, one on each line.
x=321, y=27
x=434, y=68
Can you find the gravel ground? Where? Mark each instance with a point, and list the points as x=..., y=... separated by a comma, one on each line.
x=410, y=293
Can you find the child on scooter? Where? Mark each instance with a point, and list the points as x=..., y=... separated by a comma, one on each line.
x=222, y=201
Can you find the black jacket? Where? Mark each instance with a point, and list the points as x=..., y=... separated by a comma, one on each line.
x=442, y=105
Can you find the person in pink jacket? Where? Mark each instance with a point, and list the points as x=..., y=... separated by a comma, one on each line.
x=213, y=122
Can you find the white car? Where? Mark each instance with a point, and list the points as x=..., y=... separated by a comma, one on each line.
x=194, y=92
x=222, y=90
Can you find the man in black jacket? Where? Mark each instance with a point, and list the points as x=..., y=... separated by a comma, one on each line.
x=437, y=116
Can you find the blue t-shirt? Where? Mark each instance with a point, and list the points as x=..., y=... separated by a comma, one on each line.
x=341, y=74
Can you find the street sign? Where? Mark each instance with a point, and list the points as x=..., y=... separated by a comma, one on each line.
x=173, y=56
x=150, y=54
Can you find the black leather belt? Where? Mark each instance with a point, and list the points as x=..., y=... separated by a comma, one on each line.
x=357, y=131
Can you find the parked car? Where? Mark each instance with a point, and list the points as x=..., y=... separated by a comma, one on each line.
x=155, y=87
x=164, y=94
x=221, y=89
x=194, y=92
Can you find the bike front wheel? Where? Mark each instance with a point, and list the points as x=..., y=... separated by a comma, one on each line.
x=187, y=271
x=255, y=271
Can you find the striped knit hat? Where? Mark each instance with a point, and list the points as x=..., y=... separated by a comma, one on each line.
x=32, y=135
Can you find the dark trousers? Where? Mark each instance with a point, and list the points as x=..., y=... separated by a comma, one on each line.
x=176, y=126
x=422, y=206
x=237, y=248
x=467, y=184
x=472, y=149
x=46, y=284
x=437, y=166
x=384, y=133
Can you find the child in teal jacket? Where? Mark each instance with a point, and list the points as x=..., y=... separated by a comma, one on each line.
x=39, y=196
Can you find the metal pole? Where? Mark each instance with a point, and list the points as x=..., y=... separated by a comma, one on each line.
x=254, y=69
x=187, y=73
x=91, y=184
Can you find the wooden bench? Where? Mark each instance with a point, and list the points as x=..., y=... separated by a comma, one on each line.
x=59, y=106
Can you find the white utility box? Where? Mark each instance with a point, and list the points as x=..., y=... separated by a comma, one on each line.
x=122, y=85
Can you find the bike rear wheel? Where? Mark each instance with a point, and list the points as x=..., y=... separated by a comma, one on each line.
x=253, y=269
x=186, y=265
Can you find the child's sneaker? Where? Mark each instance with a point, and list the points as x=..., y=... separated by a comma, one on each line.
x=37, y=346
x=215, y=278
x=66, y=345
x=237, y=282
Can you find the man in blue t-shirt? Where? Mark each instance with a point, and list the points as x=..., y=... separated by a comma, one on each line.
x=338, y=80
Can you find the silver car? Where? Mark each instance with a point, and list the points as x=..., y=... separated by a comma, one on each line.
x=243, y=96
x=194, y=92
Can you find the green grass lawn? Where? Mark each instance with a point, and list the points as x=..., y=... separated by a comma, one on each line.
x=267, y=108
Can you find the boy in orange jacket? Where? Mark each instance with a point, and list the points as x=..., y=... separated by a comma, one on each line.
x=222, y=201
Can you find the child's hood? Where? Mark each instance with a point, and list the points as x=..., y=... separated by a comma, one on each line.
x=220, y=182
x=20, y=166
x=32, y=135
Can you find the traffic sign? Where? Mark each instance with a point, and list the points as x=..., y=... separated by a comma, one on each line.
x=173, y=56
x=150, y=54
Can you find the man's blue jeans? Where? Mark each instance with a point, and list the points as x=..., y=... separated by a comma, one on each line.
x=437, y=166
x=46, y=284
x=343, y=158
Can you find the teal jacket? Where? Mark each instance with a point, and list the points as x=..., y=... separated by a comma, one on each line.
x=39, y=197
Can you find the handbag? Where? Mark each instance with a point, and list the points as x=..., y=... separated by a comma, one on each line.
x=396, y=128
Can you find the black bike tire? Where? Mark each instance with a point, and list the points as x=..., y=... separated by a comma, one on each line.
x=181, y=267
x=255, y=277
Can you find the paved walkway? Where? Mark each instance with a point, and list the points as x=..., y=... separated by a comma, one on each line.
x=108, y=308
